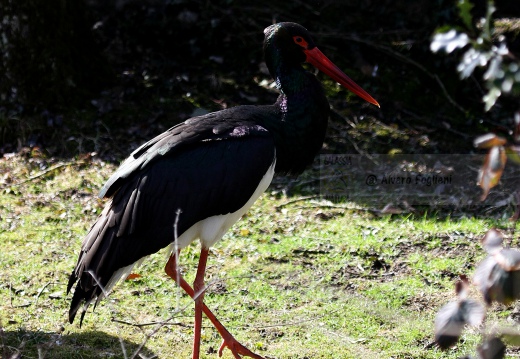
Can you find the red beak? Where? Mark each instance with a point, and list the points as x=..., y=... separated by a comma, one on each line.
x=316, y=58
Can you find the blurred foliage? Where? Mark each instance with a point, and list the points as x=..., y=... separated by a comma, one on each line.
x=487, y=49
x=76, y=72
x=497, y=278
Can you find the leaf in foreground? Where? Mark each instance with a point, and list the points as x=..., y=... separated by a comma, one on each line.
x=491, y=171
x=492, y=348
x=492, y=241
x=452, y=318
x=498, y=276
x=489, y=140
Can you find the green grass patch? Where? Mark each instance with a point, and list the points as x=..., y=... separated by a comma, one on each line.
x=292, y=279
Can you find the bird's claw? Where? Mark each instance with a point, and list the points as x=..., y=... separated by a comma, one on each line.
x=237, y=349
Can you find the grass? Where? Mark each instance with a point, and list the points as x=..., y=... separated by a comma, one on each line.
x=292, y=279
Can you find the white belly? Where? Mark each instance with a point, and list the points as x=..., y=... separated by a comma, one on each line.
x=209, y=231
x=212, y=229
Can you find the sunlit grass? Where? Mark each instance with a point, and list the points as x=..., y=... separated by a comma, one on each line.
x=298, y=280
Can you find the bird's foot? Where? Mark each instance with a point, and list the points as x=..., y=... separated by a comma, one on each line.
x=236, y=348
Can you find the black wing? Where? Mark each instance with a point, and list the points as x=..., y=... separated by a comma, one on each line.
x=213, y=126
x=204, y=172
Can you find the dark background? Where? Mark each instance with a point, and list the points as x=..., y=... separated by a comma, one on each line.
x=98, y=75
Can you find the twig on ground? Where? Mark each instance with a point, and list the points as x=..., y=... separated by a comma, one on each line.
x=149, y=335
x=11, y=291
x=41, y=174
x=140, y=325
x=41, y=291
x=296, y=201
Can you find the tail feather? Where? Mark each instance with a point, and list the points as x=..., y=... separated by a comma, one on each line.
x=78, y=299
x=100, y=264
x=90, y=264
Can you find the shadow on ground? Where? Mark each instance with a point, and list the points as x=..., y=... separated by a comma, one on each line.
x=92, y=344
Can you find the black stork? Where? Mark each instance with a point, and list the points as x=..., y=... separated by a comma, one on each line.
x=197, y=179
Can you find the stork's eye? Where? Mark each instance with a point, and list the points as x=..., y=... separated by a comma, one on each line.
x=298, y=40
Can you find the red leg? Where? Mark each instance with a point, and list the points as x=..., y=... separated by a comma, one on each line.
x=198, y=288
x=228, y=340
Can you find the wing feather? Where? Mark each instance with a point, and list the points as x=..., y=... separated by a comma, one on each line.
x=217, y=175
